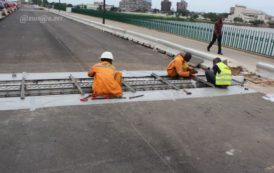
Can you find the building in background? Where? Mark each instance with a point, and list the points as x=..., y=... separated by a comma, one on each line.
x=165, y=6
x=135, y=5
x=247, y=14
x=181, y=6
x=98, y=5
x=92, y=6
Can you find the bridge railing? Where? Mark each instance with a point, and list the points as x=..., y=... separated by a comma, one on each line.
x=260, y=42
x=251, y=40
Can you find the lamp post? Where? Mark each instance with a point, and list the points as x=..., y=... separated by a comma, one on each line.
x=59, y=5
x=104, y=11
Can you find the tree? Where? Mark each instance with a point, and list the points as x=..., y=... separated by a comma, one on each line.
x=155, y=10
x=100, y=8
x=60, y=6
x=37, y=2
x=224, y=15
x=238, y=19
x=212, y=16
x=45, y=3
x=69, y=5
x=194, y=16
x=257, y=22
x=177, y=14
x=183, y=12
x=271, y=24
x=114, y=9
x=170, y=12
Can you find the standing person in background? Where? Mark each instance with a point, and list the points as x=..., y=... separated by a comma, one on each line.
x=217, y=35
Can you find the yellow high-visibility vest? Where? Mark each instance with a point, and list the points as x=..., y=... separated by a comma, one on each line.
x=225, y=77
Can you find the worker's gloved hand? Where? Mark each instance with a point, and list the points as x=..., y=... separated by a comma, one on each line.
x=192, y=76
x=193, y=71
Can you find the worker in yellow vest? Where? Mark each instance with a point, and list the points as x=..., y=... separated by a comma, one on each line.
x=221, y=75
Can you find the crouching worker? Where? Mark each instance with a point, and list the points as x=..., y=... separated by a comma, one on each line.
x=179, y=67
x=221, y=75
x=107, y=82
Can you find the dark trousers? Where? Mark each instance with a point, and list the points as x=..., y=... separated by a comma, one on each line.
x=210, y=77
x=214, y=38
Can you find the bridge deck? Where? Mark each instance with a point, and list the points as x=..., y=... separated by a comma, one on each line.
x=248, y=60
x=194, y=134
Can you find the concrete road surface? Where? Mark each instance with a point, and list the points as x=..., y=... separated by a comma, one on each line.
x=221, y=134
x=65, y=45
x=231, y=134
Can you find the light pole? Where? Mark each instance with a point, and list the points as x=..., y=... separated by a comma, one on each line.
x=104, y=11
x=59, y=5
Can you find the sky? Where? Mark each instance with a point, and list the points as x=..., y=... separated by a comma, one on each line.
x=200, y=5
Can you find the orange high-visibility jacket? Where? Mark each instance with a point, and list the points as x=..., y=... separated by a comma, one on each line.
x=178, y=67
x=104, y=83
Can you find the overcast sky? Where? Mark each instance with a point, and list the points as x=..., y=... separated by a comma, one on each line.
x=200, y=5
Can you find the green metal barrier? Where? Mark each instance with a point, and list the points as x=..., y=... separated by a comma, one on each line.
x=259, y=42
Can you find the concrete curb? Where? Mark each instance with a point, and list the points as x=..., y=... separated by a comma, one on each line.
x=265, y=70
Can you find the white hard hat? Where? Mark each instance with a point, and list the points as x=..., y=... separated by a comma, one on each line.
x=107, y=55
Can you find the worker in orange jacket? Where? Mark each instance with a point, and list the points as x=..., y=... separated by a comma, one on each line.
x=179, y=67
x=107, y=82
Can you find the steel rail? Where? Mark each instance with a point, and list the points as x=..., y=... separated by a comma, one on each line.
x=76, y=84
x=73, y=85
x=22, y=88
x=170, y=84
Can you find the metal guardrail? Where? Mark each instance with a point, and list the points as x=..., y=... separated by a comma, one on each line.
x=259, y=42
